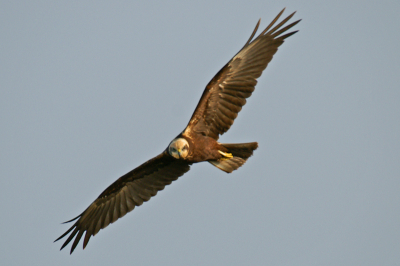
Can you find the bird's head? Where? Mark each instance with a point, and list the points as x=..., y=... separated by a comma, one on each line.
x=179, y=148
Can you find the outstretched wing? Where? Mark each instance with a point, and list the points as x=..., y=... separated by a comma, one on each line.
x=121, y=197
x=226, y=93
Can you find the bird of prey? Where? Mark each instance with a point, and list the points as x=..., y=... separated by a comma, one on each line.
x=220, y=103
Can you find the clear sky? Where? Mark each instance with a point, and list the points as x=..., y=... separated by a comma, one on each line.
x=91, y=89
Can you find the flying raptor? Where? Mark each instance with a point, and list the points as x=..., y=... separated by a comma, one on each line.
x=220, y=103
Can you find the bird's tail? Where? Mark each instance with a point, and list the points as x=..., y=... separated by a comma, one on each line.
x=234, y=156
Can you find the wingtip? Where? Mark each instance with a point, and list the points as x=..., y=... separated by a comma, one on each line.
x=63, y=246
x=291, y=15
x=257, y=25
x=72, y=249
x=59, y=238
x=73, y=219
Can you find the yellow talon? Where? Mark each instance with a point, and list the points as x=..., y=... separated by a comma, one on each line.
x=227, y=155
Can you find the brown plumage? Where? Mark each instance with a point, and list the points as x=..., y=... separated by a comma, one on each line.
x=218, y=107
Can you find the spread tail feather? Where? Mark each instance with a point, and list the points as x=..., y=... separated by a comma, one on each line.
x=240, y=151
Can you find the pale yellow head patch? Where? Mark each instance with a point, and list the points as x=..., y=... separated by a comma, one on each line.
x=179, y=148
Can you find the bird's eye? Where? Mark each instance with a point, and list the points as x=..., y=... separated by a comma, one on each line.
x=185, y=148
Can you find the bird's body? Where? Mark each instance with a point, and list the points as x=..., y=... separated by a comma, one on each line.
x=219, y=105
x=201, y=148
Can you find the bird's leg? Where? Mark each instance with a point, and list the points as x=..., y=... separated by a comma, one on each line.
x=225, y=154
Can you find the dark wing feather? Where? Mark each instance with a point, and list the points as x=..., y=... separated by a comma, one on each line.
x=123, y=195
x=226, y=93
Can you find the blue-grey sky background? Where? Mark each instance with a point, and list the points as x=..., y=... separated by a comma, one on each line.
x=91, y=89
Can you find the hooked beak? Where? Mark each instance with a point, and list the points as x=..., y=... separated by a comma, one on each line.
x=179, y=153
